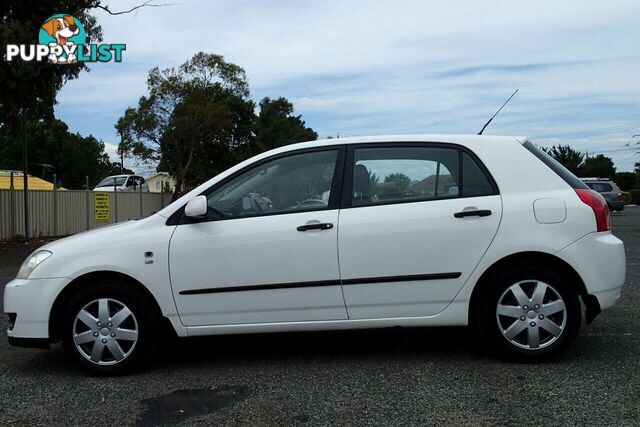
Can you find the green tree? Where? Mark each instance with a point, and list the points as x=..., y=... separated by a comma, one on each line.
x=599, y=166
x=277, y=125
x=30, y=88
x=401, y=180
x=23, y=81
x=567, y=156
x=627, y=180
x=193, y=120
x=70, y=156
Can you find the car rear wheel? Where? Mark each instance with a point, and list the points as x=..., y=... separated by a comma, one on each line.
x=110, y=328
x=530, y=313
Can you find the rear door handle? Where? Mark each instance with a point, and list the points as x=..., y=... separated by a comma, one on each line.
x=477, y=212
x=320, y=226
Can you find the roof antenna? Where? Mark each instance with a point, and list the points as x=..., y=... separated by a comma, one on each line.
x=505, y=103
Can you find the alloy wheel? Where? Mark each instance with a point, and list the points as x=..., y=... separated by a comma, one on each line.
x=105, y=331
x=531, y=314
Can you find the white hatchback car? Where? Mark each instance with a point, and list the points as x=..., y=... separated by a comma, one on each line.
x=424, y=230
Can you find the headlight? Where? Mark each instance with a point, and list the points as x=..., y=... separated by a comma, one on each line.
x=31, y=263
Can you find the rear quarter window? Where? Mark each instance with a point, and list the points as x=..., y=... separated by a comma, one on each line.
x=474, y=181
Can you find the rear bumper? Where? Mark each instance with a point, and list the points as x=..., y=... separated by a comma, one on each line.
x=599, y=259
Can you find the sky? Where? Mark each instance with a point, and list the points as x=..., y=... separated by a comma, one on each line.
x=354, y=68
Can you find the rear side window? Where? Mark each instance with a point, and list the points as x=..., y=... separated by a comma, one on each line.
x=403, y=174
x=383, y=175
x=600, y=187
x=553, y=164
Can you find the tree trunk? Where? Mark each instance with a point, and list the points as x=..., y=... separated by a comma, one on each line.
x=179, y=184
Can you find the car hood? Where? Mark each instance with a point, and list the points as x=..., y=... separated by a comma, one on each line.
x=120, y=230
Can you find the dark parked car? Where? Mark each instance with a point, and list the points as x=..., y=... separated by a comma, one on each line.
x=609, y=190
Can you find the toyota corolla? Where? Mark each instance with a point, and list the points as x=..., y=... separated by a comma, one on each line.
x=367, y=232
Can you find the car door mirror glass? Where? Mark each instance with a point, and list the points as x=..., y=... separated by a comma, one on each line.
x=196, y=208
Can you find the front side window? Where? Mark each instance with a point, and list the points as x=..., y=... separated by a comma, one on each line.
x=300, y=182
x=404, y=174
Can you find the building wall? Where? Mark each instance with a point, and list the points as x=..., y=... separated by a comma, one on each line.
x=154, y=183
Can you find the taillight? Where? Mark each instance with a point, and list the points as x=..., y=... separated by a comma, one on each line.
x=620, y=197
x=599, y=206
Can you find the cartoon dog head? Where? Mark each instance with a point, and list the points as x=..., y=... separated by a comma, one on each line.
x=61, y=28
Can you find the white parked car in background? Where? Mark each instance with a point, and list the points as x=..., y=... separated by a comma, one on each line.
x=122, y=183
x=369, y=232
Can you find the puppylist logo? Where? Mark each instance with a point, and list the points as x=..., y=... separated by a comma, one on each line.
x=62, y=40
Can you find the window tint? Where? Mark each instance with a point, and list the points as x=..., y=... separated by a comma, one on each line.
x=474, y=181
x=295, y=183
x=402, y=174
x=600, y=187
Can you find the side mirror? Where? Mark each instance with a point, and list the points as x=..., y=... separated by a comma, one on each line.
x=197, y=207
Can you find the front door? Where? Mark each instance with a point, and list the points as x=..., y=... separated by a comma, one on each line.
x=267, y=250
x=416, y=221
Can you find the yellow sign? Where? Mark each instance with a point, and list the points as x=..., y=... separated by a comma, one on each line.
x=101, y=207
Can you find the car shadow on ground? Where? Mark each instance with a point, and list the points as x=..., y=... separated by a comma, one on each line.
x=351, y=343
x=247, y=349
x=450, y=345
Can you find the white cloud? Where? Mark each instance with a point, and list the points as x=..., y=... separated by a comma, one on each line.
x=362, y=67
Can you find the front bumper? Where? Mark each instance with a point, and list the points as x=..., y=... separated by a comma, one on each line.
x=31, y=301
x=599, y=259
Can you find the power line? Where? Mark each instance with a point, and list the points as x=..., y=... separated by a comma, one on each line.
x=590, y=132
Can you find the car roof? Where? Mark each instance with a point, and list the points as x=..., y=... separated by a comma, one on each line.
x=448, y=138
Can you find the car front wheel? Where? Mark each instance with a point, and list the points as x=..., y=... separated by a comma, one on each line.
x=109, y=329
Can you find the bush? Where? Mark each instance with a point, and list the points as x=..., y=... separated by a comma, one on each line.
x=626, y=197
x=635, y=196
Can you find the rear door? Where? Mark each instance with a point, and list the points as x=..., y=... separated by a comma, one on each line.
x=416, y=220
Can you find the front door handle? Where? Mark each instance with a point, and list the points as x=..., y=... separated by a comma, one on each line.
x=320, y=226
x=477, y=212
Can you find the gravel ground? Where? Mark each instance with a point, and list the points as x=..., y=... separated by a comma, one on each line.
x=388, y=377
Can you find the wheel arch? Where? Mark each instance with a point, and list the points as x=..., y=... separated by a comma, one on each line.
x=558, y=265
x=57, y=309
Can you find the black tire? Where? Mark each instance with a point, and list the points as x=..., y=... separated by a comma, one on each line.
x=486, y=319
x=147, y=320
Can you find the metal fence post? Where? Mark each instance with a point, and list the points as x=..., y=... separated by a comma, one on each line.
x=141, y=210
x=12, y=207
x=88, y=201
x=115, y=201
x=25, y=200
x=55, y=204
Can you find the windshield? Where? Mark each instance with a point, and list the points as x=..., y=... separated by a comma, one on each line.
x=111, y=181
